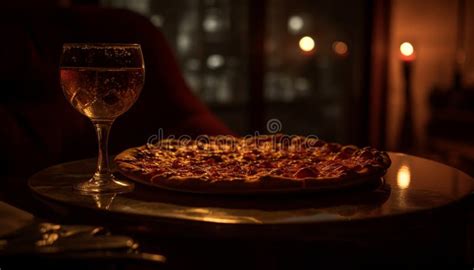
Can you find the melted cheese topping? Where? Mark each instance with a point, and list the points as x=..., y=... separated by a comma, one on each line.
x=218, y=159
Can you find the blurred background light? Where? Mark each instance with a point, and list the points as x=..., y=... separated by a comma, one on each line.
x=215, y=61
x=193, y=64
x=211, y=23
x=295, y=24
x=307, y=44
x=184, y=43
x=157, y=20
x=406, y=48
x=340, y=48
x=302, y=85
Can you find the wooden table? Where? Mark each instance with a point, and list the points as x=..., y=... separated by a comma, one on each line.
x=418, y=213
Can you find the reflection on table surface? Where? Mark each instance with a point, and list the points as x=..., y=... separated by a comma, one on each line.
x=411, y=184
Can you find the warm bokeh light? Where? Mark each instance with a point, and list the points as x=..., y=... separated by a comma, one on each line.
x=307, y=44
x=407, y=49
x=212, y=23
x=157, y=20
x=184, y=43
x=215, y=61
x=403, y=177
x=295, y=24
x=340, y=48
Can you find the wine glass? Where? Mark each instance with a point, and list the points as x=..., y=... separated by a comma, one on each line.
x=102, y=81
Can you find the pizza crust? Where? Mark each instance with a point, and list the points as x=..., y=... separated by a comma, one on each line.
x=240, y=186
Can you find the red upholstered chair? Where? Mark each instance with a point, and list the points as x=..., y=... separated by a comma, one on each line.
x=39, y=127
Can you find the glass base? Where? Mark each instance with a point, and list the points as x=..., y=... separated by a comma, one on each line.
x=104, y=185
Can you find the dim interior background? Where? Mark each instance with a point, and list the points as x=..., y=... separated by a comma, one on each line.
x=317, y=67
x=309, y=92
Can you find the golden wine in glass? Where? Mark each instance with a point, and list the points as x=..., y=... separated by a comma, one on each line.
x=102, y=81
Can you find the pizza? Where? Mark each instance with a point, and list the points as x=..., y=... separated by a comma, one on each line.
x=257, y=164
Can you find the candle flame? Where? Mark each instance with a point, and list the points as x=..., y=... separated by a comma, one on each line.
x=407, y=49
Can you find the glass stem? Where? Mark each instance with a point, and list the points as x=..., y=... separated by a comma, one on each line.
x=103, y=173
